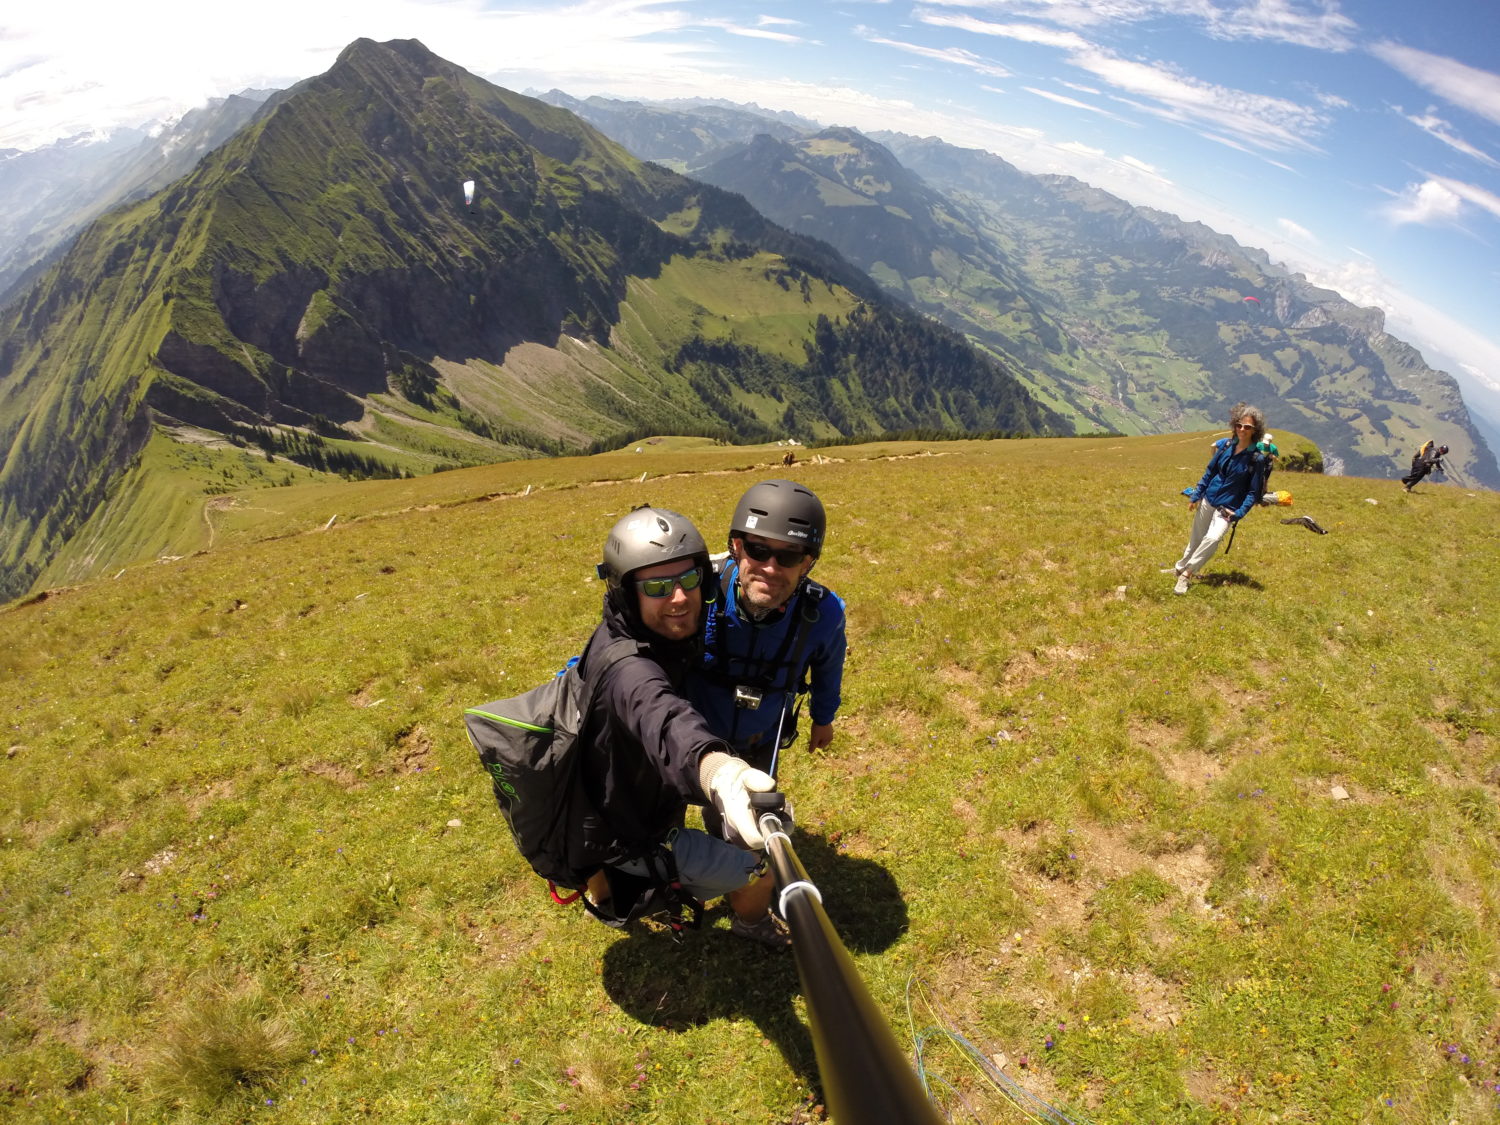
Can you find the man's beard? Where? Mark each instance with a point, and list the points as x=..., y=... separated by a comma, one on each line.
x=755, y=605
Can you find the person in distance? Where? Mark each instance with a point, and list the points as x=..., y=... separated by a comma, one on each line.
x=1231, y=485
x=1428, y=458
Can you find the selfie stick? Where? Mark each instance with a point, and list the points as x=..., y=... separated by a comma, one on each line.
x=867, y=1078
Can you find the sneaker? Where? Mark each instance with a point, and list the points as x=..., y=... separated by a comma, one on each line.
x=769, y=931
x=1182, y=584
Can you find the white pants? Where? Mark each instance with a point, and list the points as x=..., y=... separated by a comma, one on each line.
x=1209, y=529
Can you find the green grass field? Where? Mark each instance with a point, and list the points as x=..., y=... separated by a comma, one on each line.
x=1227, y=857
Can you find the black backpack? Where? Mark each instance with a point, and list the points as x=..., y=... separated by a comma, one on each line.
x=528, y=745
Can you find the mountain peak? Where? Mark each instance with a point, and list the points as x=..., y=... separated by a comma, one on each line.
x=324, y=287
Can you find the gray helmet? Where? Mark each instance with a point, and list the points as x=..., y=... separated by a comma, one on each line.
x=645, y=537
x=781, y=509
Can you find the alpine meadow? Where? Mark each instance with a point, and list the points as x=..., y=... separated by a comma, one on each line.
x=1223, y=857
x=311, y=437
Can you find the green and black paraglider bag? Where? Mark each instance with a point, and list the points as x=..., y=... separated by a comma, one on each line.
x=528, y=744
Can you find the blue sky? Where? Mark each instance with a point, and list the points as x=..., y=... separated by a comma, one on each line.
x=1357, y=143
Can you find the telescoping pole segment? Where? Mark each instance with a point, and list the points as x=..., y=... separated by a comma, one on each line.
x=867, y=1079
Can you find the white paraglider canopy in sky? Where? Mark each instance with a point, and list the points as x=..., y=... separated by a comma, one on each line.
x=468, y=192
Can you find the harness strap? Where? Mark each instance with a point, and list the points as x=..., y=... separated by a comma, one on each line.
x=634, y=896
x=764, y=672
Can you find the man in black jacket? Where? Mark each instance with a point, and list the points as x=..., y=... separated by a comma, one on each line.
x=649, y=754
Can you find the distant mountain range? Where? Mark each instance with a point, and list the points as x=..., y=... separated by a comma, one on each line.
x=317, y=293
x=49, y=194
x=1119, y=317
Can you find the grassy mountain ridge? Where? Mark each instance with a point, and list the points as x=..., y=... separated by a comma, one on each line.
x=317, y=288
x=846, y=189
x=1102, y=822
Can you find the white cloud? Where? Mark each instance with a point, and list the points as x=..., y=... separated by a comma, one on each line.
x=1142, y=166
x=955, y=56
x=93, y=63
x=1439, y=199
x=1254, y=119
x=1424, y=203
x=1259, y=120
x=1479, y=197
x=1227, y=143
x=1074, y=103
x=1319, y=24
x=1300, y=233
x=1488, y=378
x=755, y=32
x=1325, y=29
x=1022, y=32
x=1443, y=131
x=1068, y=13
x=1470, y=88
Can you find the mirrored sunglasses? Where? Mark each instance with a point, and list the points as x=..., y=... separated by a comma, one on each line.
x=662, y=587
x=760, y=552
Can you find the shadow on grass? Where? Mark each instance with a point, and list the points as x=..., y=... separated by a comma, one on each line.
x=713, y=975
x=1230, y=578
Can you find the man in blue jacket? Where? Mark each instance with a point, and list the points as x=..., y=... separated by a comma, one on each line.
x=773, y=633
x=1232, y=484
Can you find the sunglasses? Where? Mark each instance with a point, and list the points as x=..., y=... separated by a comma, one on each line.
x=662, y=587
x=1244, y=425
x=760, y=552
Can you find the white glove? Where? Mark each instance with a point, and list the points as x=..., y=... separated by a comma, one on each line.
x=729, y=787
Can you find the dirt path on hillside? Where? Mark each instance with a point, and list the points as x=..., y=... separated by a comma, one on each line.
x=210, y=506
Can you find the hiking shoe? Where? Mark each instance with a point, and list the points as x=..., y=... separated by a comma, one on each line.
x=1182, y=584
x=768, y=931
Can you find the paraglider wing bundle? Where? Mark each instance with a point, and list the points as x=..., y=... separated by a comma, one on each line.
x=1307, y=522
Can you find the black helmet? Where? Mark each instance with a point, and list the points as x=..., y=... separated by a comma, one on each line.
x=781, y=509
x=648, y=536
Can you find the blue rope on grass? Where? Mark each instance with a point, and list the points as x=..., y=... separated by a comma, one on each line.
x=1033, y=1107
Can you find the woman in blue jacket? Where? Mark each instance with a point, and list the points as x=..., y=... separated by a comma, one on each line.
x=1232, y=484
